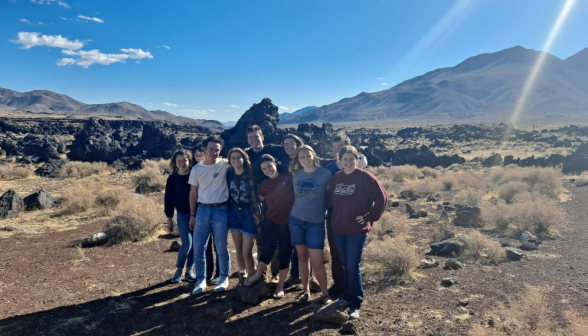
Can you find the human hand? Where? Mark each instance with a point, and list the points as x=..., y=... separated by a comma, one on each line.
x=192, y=222
x=170, y=225
x=359, y=219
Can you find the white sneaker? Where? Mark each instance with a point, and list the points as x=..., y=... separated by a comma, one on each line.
x=200, y=287
x=222, y=285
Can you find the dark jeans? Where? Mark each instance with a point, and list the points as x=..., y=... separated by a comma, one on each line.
x=351, y=248
x=274, y=234
x=210, y=261
x=337, y=272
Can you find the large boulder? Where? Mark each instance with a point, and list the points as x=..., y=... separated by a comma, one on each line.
x=42, y=199
x=333, y=312
x=252, y=295
x=10, y=204
x=493, y=161
x=51, y=168
x=468, y=215
x=448, y=246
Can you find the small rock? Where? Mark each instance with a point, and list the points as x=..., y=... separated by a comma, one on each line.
x=223, y=309
x=422, y=213
x=439, y=207
x=175, y=246
x=464, y=302
x=95, y=240
x=349, y=328
x=529, y=241
x=333, y=312
x=390, y=233
x=448, y=234
x=431, y=199
x=468, y=215
x=448, y=282
x=513, y=253
x=446, y=203
x=252, y=295
x=448, y=246
x=421, y=177
x=409, y=208
x=414, y=215
x=429, y=263
x=9, y=228
x=448, y=208
x=407, y=194
x=10, y=204
x=395, y=204
x=504, y=243
x=144, y=188
x=40, y=200
x=453, y=264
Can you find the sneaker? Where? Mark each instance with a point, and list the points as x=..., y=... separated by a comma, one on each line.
x=222, y=285
x=334, y=291
x=342, y=303
x=299, y=287
x=191, y=276
x=213, y=281
x=177, y=276
x=292, y=281
x=199, y=288
x=242, y=277
x=354, y=314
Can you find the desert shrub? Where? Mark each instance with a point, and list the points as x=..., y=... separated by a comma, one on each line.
x=545, y=181
x=479, y=247
x=396, y=173
x=391, y=258
x=455, y=167
x=508, y=191
x=497, y=215
x=472, y=197
x=422, y=188
x=137, y=219
x=15, y=173
x=80, y=197
x=440, y=225
x=429, y=172
x=77, y=169
x=394, y=221
x=469, y=179
x=439, y=168
x=150, y=179
x=107, y=200
x=449, y=182
x=538, y=216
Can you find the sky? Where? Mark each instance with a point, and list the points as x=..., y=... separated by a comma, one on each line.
x=214, y=59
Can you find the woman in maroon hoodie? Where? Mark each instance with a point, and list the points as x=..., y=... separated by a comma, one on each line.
x=358, y=199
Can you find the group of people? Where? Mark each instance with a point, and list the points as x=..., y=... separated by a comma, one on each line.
x=278, y=197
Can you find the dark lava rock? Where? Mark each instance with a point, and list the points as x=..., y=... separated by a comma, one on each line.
x=431, y=199
x=9, y=228
x=144, y=188
x=334, y=312
x=223, y=309
x=448, y=246
x=429, y=263
x=448, y=282
x=464, y=302
x=10, y=204
x=409, y=208
x=175, y=246
x=493, y=161
x=395, y=204
x=448, y=234
x=51, y=168
x=468, y=215
x=40, y=200
x=349, y=328
x=95, y=240
x=453, y=264
x=252, y=295
x=422, y=213
x=513, y=253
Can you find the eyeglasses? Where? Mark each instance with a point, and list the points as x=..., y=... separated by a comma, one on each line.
x=289, y=144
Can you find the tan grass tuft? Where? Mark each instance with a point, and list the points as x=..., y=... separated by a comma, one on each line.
x=77, y=169
x=137, y=219
x=15, y=173
x=391, y=258
x=481, y=247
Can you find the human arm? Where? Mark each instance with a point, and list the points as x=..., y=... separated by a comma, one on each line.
x=379, y=196
x=168, y=202
x=193, y=205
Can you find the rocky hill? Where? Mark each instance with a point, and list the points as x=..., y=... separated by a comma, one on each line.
x=43, y=101
x=483, y=87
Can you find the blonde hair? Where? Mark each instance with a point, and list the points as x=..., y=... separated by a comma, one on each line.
x=295, y=165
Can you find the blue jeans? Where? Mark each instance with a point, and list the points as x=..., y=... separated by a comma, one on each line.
x=242, y=220
x=311, y=235
x=186, y=251
x=213, y=220
x=350, y=248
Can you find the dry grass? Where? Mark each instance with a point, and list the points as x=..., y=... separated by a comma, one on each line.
x=151, y=178
x=15, y=173
x=429, y=172
x=77, y=169
x=480, y=247
x=496, y=215
x=107, y=200
x=390, y=258
x=544, y=181
x=471, y=197
x=508, y=191
x=455, y=167
x=81, y=196
x=391, y=221
x=137, y=219
x=441, y=225
x=422, y=188
x=396, y=173
x=449, y=182
x=538, y=216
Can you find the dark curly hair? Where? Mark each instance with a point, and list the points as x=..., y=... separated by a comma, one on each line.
x=186, y=153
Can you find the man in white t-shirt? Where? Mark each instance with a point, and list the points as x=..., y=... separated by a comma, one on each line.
x=210, y=194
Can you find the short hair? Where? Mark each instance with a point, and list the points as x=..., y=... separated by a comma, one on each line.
x=299, y=142
x=172, y=163
x=212, y=138
x=253, y=128
x=246, y=160
x=295, y=165
x=342, y=137
x=348, y=149
x=199, y=147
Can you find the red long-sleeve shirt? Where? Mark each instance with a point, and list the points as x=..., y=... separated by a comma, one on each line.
x=352, y=195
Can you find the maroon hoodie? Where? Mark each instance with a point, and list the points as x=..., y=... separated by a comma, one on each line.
x=352, y=195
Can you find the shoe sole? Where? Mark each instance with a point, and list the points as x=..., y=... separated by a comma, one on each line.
x=219, y=290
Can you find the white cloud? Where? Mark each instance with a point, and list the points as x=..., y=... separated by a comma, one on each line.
x=40, y=23
x=283, y=108
x=170, y=105
x=65, y=61
x=29, y=40
x=380, y=78
x=63, y=18
x=150, y=103
x=234, y=105
x=196, y=113
x=60, y=3
x=138, y=62
x=166, y=47
x=24, y=20
x=63, y=4
x=211, y=110
x=95, y=19
x=88, y=58
x=228, y=111
x=384, y=83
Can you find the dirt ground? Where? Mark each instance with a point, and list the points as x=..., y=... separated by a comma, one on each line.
x=49, y=286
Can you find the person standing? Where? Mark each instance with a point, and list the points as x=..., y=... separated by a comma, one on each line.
x=245, y=210
x=334, y=167
x=307, y=219
x=358, y=200
x=177, y=196
x=255, y=140
x=277, y=190
x=209, y=195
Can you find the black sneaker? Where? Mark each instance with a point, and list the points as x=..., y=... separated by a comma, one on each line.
x=334, y=291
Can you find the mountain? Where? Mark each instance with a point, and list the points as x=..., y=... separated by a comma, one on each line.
x=299, y=111
x=229, y=123
x=483, y=87
x=43, y=101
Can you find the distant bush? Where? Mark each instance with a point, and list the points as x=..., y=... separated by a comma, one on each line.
x=471, y=197
x=15, y=173
x=429, y=172
x=479, y=247
x=508, y=191
x=538, y=216
x=80, y=197
x=77, y=169
x=137, y=219
x=151, y=178
x=449, y=182
x=391, y=258
x=396, y=173
x=422, y=188
x=455, y=167
x=545, y=181
x=107, y=200
x=496, y=215
x=393, y=221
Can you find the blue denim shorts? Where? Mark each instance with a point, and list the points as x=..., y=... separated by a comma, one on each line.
x=242, y=220
x=311, y=235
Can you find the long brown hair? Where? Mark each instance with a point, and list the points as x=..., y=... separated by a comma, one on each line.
x=246, y=160
x=172, y=164
x=295, y=165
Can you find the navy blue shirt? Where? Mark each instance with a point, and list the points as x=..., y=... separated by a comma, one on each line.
x=177, y=195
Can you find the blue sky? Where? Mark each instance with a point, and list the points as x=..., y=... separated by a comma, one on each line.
x=214, y=59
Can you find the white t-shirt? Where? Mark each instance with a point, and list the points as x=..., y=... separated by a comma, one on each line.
x=211, y=181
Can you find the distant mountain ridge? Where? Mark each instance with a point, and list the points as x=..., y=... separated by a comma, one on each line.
x=299, y=111
x=481, y=87
x=43, y=101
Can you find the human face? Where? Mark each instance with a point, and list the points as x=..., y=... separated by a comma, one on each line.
x=349, y=163
x=290, y=146
x=255, y=140
x=306, y=158
x=212, y=152
x=199, y=155
x=269, y=169
x=337, y=147
x=236, y=160
x=182, y=162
